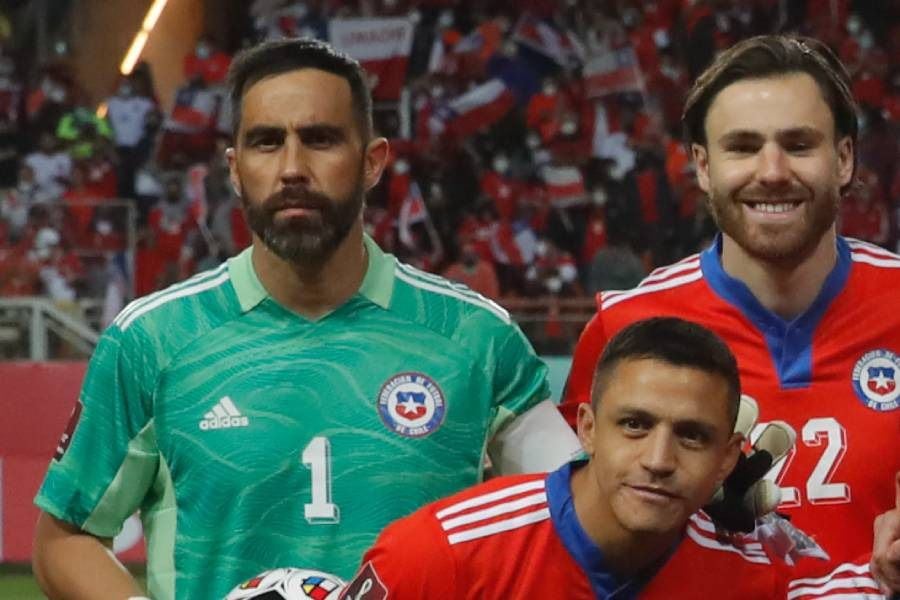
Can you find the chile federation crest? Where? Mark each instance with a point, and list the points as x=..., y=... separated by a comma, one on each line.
x=411, y=404
x=876, y=380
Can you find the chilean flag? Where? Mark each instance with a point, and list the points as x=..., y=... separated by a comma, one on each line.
x=565, y=185
x=412, y=211
x=613, y=72
x=382, y=46
x=560, y=47
x=474, y=111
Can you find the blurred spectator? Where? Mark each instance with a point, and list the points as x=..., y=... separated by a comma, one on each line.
x=84, y=132
x=162, y=252
x=10, y=123
x=615, y=267
x=189, y=132
x=207, y=62
x=51, y=168
x=129, y=114
x=16, y=203
x=553, y=272
x=864, y=213
x=477, y=273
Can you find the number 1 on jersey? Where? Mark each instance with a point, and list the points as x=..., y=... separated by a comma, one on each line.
x=317, y=458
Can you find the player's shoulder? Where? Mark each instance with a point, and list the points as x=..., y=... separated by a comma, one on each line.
x=873, y=262
x=499, y=506
x=189, y=307
x=667, y=286
x=442, y=304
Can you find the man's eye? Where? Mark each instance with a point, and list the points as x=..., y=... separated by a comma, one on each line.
x=632, y=424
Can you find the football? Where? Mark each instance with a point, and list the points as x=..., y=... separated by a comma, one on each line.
x=289, y=584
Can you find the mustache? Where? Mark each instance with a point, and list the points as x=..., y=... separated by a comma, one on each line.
x=296, y=197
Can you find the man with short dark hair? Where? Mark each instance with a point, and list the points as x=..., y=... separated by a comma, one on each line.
x=811, y=316
x=660, y=438
x=284, y=407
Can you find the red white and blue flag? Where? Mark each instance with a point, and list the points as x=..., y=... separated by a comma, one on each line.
x=412, y=211
x=474, y=111
x=613, y=72
x=560, y=46
x=382, y=46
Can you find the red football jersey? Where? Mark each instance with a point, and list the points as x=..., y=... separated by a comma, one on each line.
x=519, y=537
x=833, y=374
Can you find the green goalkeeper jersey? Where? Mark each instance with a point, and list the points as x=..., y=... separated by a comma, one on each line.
x=249, y=437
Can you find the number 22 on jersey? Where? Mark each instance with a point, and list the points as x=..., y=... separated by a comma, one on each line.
x=819, y=488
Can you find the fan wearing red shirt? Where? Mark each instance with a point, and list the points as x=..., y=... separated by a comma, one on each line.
x=660, y=437
x=811, y=316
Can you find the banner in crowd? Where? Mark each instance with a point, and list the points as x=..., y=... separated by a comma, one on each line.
x=565, y=185
x=613, y=72
x=382, y=46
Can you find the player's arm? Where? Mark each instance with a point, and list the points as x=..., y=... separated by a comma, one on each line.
x=885, y=563
x=537, y=441
x=527, y=434
x=105, y=464
x=64, y=554
x=410, y=560
x=584, y=361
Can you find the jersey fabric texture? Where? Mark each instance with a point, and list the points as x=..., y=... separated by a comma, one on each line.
x=832, y=373
x=252, y=438
x=519, y=537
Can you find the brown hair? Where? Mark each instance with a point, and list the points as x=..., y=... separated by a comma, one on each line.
x=767, y=56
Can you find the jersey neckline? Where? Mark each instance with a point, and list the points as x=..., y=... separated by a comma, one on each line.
x=789, y=342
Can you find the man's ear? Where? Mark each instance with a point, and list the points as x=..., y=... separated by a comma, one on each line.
x=845, y=154
x=232, y=171
x=375, y=160
x=586, y=422
x=701, y=164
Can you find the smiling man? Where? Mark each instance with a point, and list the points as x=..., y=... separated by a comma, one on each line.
x=811, y=316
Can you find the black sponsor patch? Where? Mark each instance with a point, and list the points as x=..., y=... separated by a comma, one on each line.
x=66, y=438
x=365, y=586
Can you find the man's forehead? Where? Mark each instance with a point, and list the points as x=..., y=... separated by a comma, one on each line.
x=304, y=95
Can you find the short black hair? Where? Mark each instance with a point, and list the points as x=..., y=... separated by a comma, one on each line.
x=675, y=341
x=281, y=56
x=770, y=56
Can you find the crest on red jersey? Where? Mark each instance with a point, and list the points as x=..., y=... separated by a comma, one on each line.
x=876, y=380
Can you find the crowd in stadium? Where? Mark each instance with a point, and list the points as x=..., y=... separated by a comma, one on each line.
x=536, y=147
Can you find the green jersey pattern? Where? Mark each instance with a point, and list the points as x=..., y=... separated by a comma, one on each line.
x=251, y=438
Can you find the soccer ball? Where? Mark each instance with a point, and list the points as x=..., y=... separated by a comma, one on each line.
x=289, y=584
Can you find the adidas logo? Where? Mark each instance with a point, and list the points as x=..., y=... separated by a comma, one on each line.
x=223, y=415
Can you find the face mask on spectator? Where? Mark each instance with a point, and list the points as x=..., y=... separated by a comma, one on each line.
x=854, y=25
x=203, y=51
x=126, y=90
x=401, y=167
x=549, y=89
x=866, y=40
x=569, y=127
x=598, y=196
x=501, y=164
x=533, y=140
x=446, y=19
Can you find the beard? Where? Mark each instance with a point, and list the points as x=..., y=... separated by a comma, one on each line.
x=780, y=243
x=312, y=239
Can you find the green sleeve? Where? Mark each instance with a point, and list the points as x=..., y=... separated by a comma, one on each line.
x=101, y=473
x=520, y=377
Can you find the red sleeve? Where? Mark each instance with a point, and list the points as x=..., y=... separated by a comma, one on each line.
x=587, y=353
x=410, y=560
x=813, y=579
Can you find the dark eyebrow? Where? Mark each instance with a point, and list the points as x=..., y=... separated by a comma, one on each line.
x=739, y=136
x=260, y=131
x=323, y=130
x=810, y=134
x=691, y=425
